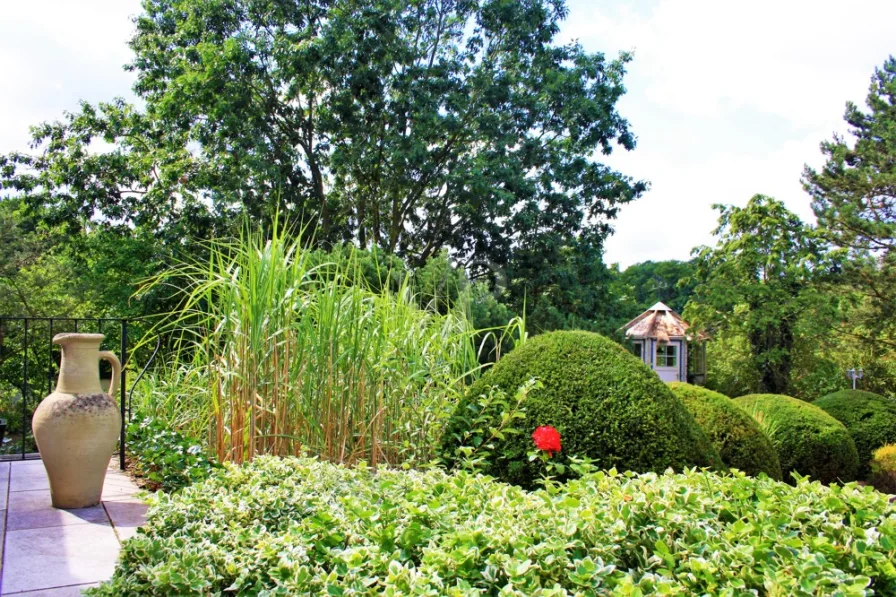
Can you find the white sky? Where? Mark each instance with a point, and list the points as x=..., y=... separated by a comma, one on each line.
x=727, y=99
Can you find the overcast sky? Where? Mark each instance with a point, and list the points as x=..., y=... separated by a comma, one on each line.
x=727, y=99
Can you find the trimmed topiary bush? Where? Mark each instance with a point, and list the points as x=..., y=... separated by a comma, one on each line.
x=870, y=419
x=808, y=440
x=738, y=438
x=606, y=404
x=883, y=469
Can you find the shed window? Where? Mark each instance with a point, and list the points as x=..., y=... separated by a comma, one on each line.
x=667, y=355
x=638, y=349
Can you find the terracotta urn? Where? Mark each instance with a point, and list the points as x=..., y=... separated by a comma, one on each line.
x=76, y=426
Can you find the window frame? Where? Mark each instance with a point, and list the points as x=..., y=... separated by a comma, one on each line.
x=667, y=359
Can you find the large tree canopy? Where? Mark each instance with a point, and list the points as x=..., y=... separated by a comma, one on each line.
x=412, y=126
x=758, y=281
x=643, y=284
x=854, y=198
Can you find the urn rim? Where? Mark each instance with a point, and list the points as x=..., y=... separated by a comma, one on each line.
x=78, y=337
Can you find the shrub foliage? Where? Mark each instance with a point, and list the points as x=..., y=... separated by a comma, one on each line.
x=808, y=440
x=304, y=527
x=166, y=459
x=870, y=419
x=740, y=441
x=883, y=469
x=607, y=405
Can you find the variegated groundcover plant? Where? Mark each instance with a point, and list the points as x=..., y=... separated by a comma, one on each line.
x=299, y=526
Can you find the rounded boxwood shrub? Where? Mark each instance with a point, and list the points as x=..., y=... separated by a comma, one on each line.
x=808, y=440
x=883, y=469
x=870, y=419
x=606, y=404
x=741, y=443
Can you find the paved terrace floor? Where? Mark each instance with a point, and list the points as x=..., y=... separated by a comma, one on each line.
x=57, y=553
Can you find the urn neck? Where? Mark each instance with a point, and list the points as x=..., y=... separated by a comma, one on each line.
x=79, y=371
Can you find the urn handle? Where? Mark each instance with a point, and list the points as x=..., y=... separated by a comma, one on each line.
x=116, y=370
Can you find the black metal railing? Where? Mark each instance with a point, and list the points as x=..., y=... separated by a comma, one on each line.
x=27, y=353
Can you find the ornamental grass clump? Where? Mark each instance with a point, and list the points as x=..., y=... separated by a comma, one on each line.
x=870, y=419
x=607, y=405
x=305, y=527
x=280, y=351
x=741, y=443
x=808, y=440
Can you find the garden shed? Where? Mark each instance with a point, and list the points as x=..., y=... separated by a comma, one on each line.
x=660, y=339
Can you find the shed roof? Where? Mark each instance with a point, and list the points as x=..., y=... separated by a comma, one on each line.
x=658, y=322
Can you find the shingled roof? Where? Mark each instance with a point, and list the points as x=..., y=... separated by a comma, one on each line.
x=658, y=322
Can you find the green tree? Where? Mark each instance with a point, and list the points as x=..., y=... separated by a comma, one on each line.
x=562, y=284
x=440, y=282
x=668, y=281
x=487, y=312
x=45, y=273
x=138, y=181
x=758, y=281
x=411, y=126
x=854, y=199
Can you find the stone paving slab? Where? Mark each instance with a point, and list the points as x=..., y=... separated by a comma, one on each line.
x=28, y=482
x=114, y=493
x=126, y=514
x=53, y=552
x=59, y=556
x=25, y=467
x=4, y=494
x=2, y=542
x=70, y=591
x=28, y=510
x=28, y=471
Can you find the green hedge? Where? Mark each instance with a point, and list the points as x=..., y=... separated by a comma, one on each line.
x=870, y=419
x=305, y=527
x=606, y=403
x=738, y=438
x=808, y=440
x=883, y=469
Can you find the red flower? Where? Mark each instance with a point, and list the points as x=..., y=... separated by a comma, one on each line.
x=547, y=439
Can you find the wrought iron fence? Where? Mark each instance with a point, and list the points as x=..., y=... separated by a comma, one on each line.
x=29, y=365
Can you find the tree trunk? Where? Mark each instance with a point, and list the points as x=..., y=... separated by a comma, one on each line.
x=774, y=375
